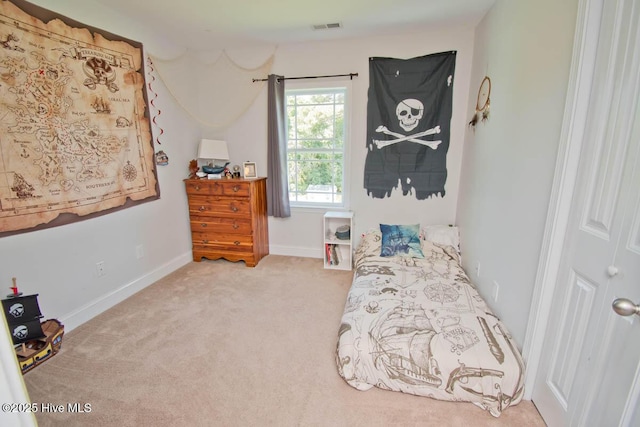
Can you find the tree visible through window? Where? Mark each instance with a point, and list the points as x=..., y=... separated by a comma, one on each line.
x=316, y=146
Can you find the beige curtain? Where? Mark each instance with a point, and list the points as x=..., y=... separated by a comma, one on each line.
x=214, y=94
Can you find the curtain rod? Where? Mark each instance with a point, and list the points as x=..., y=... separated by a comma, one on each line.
x=351, y=76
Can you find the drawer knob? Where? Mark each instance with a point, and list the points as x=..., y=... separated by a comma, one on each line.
x=236, y=243
x=204, y=224
x=236, y=188
x=205, y=241
x=197, y=187
x=202, y=208
x=234, y=208
x=235, y=225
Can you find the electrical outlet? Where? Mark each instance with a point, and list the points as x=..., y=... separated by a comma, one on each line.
x=140, y=251
x=496, y=290
x=100, y=268
x=478, y=269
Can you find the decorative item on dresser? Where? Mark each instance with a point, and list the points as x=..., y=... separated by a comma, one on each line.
x=229, y=219
x=250, y=169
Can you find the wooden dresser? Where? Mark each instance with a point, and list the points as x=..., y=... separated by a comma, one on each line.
x=228, y=219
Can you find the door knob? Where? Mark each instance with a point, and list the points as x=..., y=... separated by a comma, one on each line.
x=625, y=307
x=612, y=270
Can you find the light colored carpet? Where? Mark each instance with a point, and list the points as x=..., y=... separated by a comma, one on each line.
x=219, y=344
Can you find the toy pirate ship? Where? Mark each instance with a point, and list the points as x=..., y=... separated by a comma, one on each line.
x=34, y=341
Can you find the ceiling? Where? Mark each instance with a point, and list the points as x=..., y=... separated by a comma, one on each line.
x=209, y=24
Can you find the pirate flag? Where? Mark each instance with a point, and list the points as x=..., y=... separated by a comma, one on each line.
x=408, y=124
x=23, y=317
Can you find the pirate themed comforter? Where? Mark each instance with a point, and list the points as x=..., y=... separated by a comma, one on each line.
x=417, y=325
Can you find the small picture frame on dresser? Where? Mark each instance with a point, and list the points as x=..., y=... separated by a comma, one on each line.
x=250, y=170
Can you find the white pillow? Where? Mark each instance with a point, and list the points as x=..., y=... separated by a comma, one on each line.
x=442, y=235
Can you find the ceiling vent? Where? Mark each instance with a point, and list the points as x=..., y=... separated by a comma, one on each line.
x=327, y=26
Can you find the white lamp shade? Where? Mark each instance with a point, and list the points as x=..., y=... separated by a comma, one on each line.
x=213, y=149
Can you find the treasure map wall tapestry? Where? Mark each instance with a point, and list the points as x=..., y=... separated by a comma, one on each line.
x=408, y=124
x=75, y=138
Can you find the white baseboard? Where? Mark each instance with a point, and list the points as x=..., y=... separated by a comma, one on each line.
x=295, y=251
x=97, y=306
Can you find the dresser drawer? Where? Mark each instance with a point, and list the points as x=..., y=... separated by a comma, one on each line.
x=212, y=224
x=211, y=241
x=218, y=187
x=225, y=206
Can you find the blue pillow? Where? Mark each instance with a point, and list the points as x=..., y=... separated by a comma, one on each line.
x=401, y=240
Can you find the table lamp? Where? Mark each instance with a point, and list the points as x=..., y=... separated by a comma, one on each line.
x=211, y=150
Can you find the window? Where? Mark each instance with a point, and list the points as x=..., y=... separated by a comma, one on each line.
x=316, y=145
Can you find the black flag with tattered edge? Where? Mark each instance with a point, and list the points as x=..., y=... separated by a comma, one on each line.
x=408, y=124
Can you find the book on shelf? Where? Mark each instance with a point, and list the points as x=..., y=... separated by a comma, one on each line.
x=333, y=255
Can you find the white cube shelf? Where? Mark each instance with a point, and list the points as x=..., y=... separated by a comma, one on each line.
x=337, y=252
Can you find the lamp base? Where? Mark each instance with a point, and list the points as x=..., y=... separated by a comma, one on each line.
x=214, y=169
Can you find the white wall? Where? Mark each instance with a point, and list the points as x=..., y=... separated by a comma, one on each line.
x=302, y=233
x=525, y=47
x=60, y=263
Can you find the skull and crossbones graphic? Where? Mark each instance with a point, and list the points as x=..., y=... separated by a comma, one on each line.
x=21, y=332
x=16, y=310
x=99, y=72
x=409, y=113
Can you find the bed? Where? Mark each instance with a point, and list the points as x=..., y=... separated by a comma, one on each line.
x=414, y=323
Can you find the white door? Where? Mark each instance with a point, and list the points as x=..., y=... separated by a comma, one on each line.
x=589, y=371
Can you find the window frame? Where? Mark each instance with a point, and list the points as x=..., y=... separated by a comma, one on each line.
x=313, y=85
